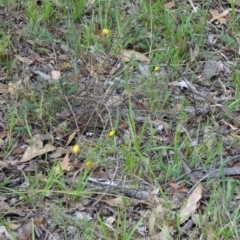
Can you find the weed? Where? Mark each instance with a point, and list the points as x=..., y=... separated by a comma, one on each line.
x=92, y=34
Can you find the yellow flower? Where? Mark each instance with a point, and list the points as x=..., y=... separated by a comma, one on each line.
x=105, y=31
x=88, y=163
x=156, y=68
x=75, y=149
x=112, y=133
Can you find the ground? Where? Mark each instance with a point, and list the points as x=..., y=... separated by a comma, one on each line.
x=119, y=119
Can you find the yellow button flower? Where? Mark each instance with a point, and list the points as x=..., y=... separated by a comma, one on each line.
x=105, y=31
x=156, y=68
x=88, y=163
x=112, y=133
x=75, y=149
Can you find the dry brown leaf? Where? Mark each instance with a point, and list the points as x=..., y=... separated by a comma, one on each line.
x=128, y=55
x=169, y=5
x=124, y=125
x=3, y=134
x=114, y=70
x=13, y=226
x=36, y=150
x=109, y=221
x=93, y=71
x=194, y=53
x=71, y=137
x=3, y=88
x=159, y=125
x=219, y=16
x=178, y=107
x=65, y=163
x=116, y=202
x=24, y=60
x=191, y=204
x=18, y=150
x=60, y=151
x=55, y=74
x=176, y=186
x=3, y=164
x=14, y=86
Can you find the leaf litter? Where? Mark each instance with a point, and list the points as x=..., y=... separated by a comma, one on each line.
x=83, y=108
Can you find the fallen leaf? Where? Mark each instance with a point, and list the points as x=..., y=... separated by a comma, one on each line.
x=65, y=66
x=191, y=204
x=124, y=125
x=93, y=71
x=14, y=86
x=55, y=75
x=60, y=151
x=35, y=150
x=24, y=60
x=13, y=226
x=65, y=162
x=3, y=164
x=159, y=125
x=3, y=134
x=116, y=202
x=219, y=16
x=3, y=88
x=115, y=69
x=109, y=221
x=194, y=53
x=128, y=55
x=18, y=150
x=64, y=165
x=176, y=186
x=169, y=5
x=71, y=137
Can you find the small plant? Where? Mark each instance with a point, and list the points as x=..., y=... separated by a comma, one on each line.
x=5, y=42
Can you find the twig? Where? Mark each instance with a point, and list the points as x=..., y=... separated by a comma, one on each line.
x=210, y=100
x=199, y=181
x=194, y=9
x=215, y=171
x=115, y=172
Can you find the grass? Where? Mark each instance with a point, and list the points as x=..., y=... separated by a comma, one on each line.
x=68, y=35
